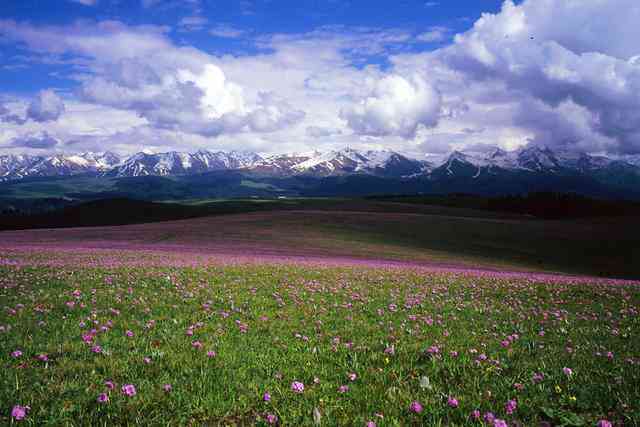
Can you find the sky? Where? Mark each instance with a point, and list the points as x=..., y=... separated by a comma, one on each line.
x=272, y=76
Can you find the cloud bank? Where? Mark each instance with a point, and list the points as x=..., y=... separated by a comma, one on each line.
x=572, y=68
x=561, y=73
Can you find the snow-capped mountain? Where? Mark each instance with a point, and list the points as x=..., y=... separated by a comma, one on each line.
x=58, y=165
x=178, y=163
x=632, y=159
x=531, y=161
x=536, y=159
x=220, y=160
x=15, y=167
x=98, y=161
x=350, y=161
x=341, y=162
x=23, y=166
x=460, y=164
x=282, y=164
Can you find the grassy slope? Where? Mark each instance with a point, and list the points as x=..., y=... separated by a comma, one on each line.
x=55, y=187
x=391, y=231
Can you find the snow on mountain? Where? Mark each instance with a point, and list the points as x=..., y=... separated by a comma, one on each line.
x=537, y=159
x=348, y=161
x=581, y=161
x=530, y=159
x=97, y=161
x=475, y=164
x=143, y=164
x=15, y=167
x=220, y=160
x=57, y=165
x=384, y=163
x=178, y=163
x=631, y=159
x=459, y=163
x=22, y=166
x=281, y=164
x=332, y=162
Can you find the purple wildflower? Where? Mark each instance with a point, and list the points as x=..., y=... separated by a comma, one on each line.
x=489, y=417
x=272, y=419
x=537, y=377
x=297, y=387
x=129, y=390
x=433, y=350
x=19, y=412
x=415, y=407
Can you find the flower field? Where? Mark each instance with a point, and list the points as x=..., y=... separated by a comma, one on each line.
x=273, y=343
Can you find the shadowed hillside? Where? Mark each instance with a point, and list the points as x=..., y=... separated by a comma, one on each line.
x=424, y=234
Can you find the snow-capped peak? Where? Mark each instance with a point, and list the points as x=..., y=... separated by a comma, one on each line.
x=530, y=159
x=349, y=160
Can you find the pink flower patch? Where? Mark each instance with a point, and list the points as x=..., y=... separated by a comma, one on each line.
x=128, y=390
x=297, y=387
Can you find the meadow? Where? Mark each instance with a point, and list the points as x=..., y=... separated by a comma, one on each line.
x=110, y=337
x=352, y=312
x=451, y=236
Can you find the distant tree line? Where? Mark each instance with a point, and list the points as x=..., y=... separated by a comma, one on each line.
x=548, y=205
x=22, y=207
x=562, y=205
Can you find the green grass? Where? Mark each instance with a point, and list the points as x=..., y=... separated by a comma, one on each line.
x=348, y=316
x=604, y=248
x=56, y=187
x=601, y=247
x=260, y=185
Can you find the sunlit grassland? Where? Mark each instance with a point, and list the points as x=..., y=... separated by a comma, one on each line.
x=406, y=335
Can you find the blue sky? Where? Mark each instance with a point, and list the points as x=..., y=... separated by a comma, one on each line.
x=254, y=18
x=420, y=77
x=260, y=15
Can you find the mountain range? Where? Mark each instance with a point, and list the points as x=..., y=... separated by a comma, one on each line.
x=492, y=172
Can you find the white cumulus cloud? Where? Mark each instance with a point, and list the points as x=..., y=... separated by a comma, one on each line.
x=38, y=141
x=395, y=105
x=47, y=106
x=86, y=2
x=580, y=52
x=141, y=70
